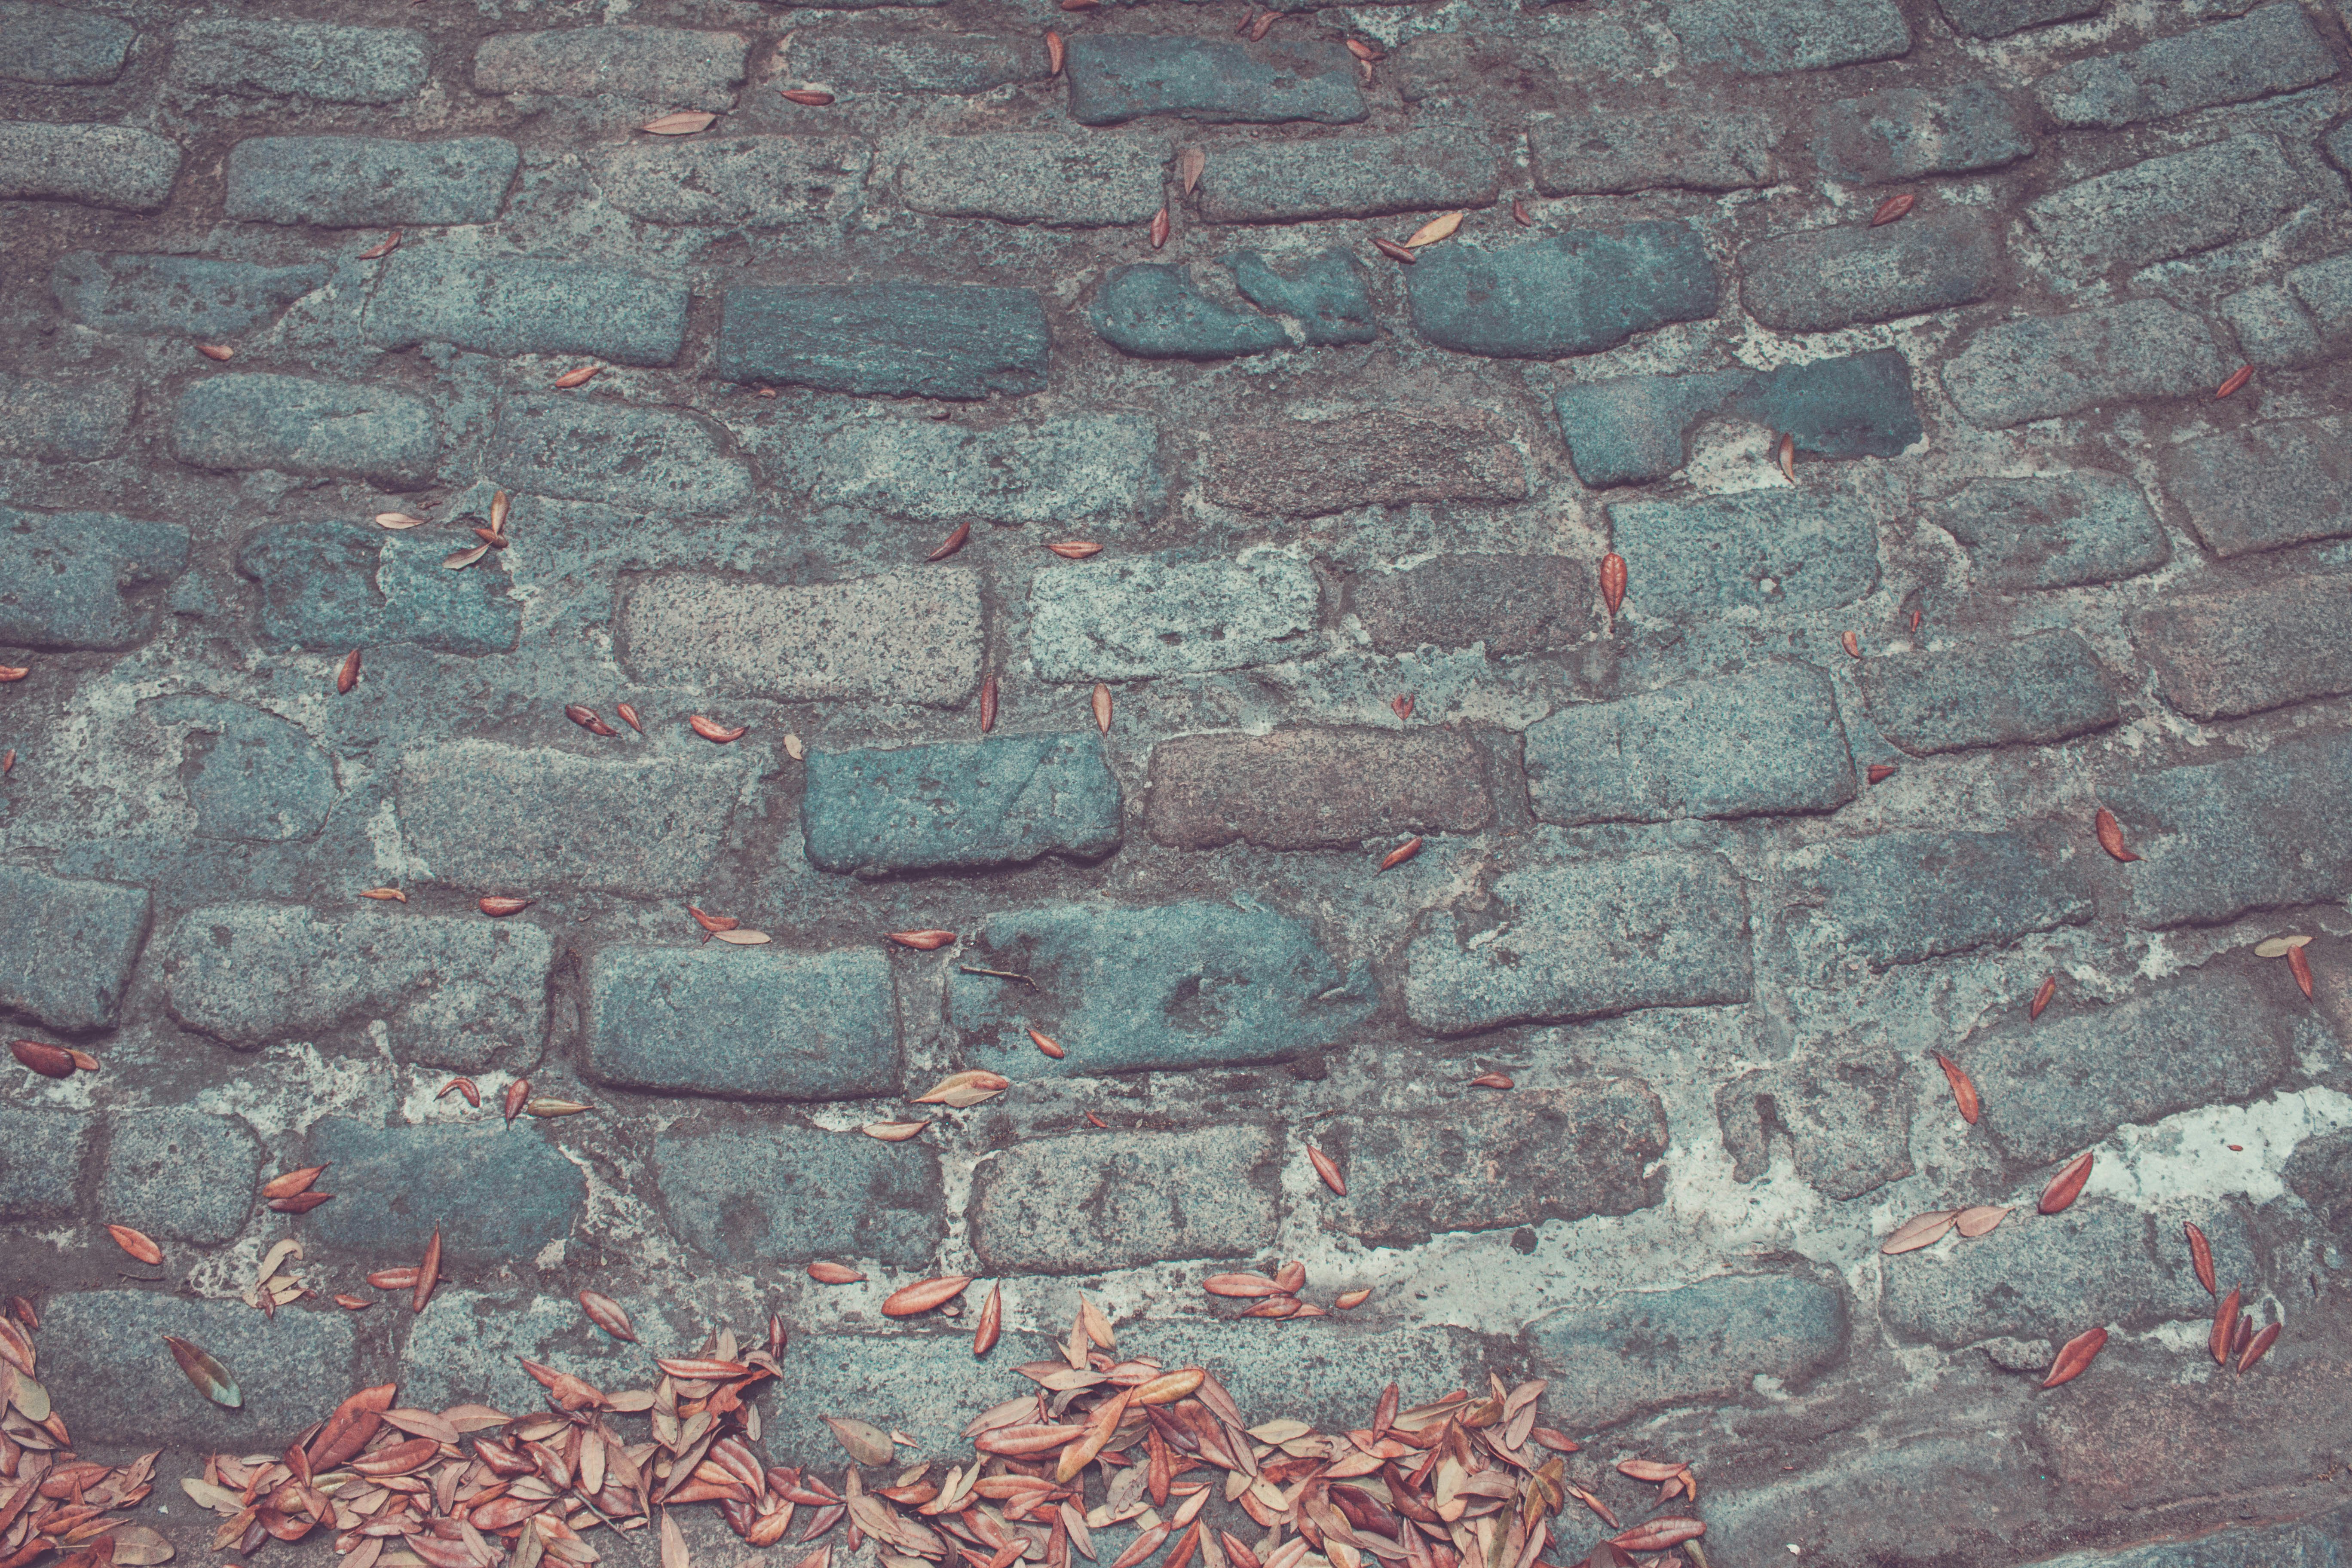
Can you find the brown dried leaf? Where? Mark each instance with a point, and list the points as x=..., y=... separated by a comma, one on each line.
x=2111, y=836
x=965, y=1090
x=554, y=1107
x=1347, y=1301
x=1241, y=1285
x=2200, y=1257
x=2258, y=1347
x=1852, y=644
x=1879, y=773
x=684, y=122
x=1493, y=1080
x=673, y=1544
x=220, y=353
x=517, y=1092
x=1364, y=49
x=393, y=1279
x=1789, y=457
x=1920, y=1230
x=397, y=521
x=922, y=941
x=392, y=895
x=1325, y=1168
x=382, y=247
x=1048, y=1046
x=1981, y=1219
x=459, y=559
x=49, y=1061
x=293, y=1182
x=9, y=672
x=1964, y=1089
x=2300, y=967
x=1101, y=701
x=1401, y=854
x=992, y=1322
x=834, y=1274
x=808, y=97
x=352, y=1303
x=1658, y=1535
x=712, y=731
x=629, y=716
x=893, y=1131
x=1612, y=582
x=1191, y=162
x=2042, y=997
x=867, y=1444
x=1161, y=223
x=1894, y=207
x=137, y=1244
x=2074, y=1357
x=428, y=1274
x=953, y=542
x=922, y=1296
x=1519, y=214
x=1401, y=705
x=209, y=1377
x=347, y=674
x=1439, y=228
x=1076, y=548
x=608, y=1315
x=2066, y=1186
x=1394, y=251
x=988, y=703
x=498, y=905
x=1054, y=53
x=2225, y=1327
x=743, y=938
x=2237, y=379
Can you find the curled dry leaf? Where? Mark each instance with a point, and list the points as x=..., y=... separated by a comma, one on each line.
x=293, y=1182
x=2066, y=1186
x=209, y=1377
x=714, y=924
x=1658, y=1535
x=1347, y=1301
x=2200, y=1257
x=588, y=719
x=1394, y=251
x=382, y=247
x=988, y=703
x=49, y=1061
x=1401, y=853
x=347, y=674
x=352, y=1303
x=219, y=353
x=464, y=1085
x=2111, y=836
x=835, y=1274
x=1048, y=1046
x=1101, y=703
x=1789, y=459
x=1076, y=548
x=1401, y=705
x=300, y=1202
x=385, y=895
x=517, y=1093
x=792, y=746
x=2042, y=997
x=1852, y=644
x=1964, y=1089
x=992, y=1322
x=497, y=906
x=2299, y=966
x=1920, y=1230
x=629, y=716
x=459, y=559
x=9, y=672
x=712, y=731
x=1363, y=49
x=1894, y=207
x=579, y=376
x=1650, y=1470
x=2074, y=1357
x=923, y=1295
x=2258, y=1347
x=393, y=1279
x=953, y=542
x=1493, y=1080
x=397, y=521
x=1262, y=25
x=2279, y=946
x=1191, y=162
x=428, y=1274
x=1879, y=773
x=1439, y=228
x=608, y=1315
x=1612, y=582
x=2237, y=379
x=741, y=938
x=1519, y=214
x=552, y=1108
x=1328, y=1170
x=1245, y=1286
x=1162, y=225
x=964, y=1089
x=2225, y=1327
x=137, y=1244
x=1054, y=52
x=894, y=1132
x=922, y=940
x=807, y=97
x=1980, y=1220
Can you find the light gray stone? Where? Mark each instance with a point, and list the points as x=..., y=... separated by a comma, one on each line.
x=179, y=1174
x=2171, y=205
x=1364, y=457
x=888, y=339
x=761, y=1193
x=2267, y=830
x=1078, y=182
x=1830, y=277
x=300, y=426
x=1512, y=604
x=1314, y=788
x=349, y=181
x=67, y=579
x=197, y=296
x=1118, y=77
x=1996, y=18
x=1351, y=176
x=875, y=59
x=98, y=166
x=509, y=306
x=2043, y=366
x=1636, y=1351
x=2273, y=49
x=2055, y=531
x=637, y=459
x=675, y=67
x=497, y=1194
x=2044, y=1277
x=1902, y=897
x=279, y=56
x=1154, y=615
x=755, y=1023
x=247, y=773
x=900, y=637
x=1771, y=37
x=957, y=805
x=1572, y=292
x=1094, y=467
x=1093, y=1202
x=42, y=1152
x=54, y=47
x=2263, y=486
x=1905, y=131
x=2248, y=647
x=63, y=421
x=67, y=947
x=1768, y=550
x=1845, y=1121
x=104, y=1360
x=760, y=181
x=1641, y=150
x=2037, y=690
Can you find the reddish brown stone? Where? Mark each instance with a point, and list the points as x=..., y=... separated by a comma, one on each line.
x=1312, y=467
x=1314, y=789
x=1513, y=603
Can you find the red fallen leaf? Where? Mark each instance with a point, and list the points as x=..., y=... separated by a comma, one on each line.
x=347, y=1431
x=1080, y=4
x=1098, y=1121
x=300, y=1202
x=1920, y=1230
x=347, y=674
x=1327, y=1170
x=1612, y=582
x=1275, y=1307
x=2200, y=1257
x=2237, y=379
x=1262, y=25
x=1894, y=207
x=1658, y=1535
x=497, y=907
x=834, y=1274
x=428, y=1274
x=2111, y=835
x=1190, y=165
x=1852, y=644
x=382, y=247
x=49, y=1061
x=713, y=924
x=1238, y=1553
x=1241, y=1285
x=217, y=353
x=807, y=97
x=953, y=542
x=518, y=1093
x=2074, y=1357
x=2066, y=1186
x=988, y=703
x=1247, y=20
x=1492, y=1080
x=710, y=730
x=8, y=762
x=210, y=1378
x=353, y=1303
x=588, y=719
x=1076, y=548
x=1347, y=1301
x=1650, y=1470
x=1981, y=1219
x=1161, y=225
x=22, y=1310
x=1519, y=214
x=1046, y=1045
x=1291, y=1276
x=1559, y=1442
x=707, y=1368
x=137, y=1244
x=608, y=1315
x=9, y=672
x=2244, y=1336
x=2225, y=1327
x=1053, y=53
x=2259, y=1347
x=490, y=537
x=2300, y=967
x=1150, y=1542
x=1101, y=703
x=579, y=377
x=1964, y=1091
x=1394, y=251
x=1915, y=620
x=82, y=1059
x=1879, y=773
x=922, y=940
x=629, y=716
x=1363, y=50
x=992, y=1322
x=464, y=1085
x=2042, y=997
x=394, y=1280
x=1402, y=704
x=1401, y=854
x=923, y=1295
x=1607, y=1554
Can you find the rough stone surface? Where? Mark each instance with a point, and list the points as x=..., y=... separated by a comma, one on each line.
x=1904, y=897
x=1314, y=789
x=1775, y=550
x=1512, y=604
x=67, y=947
x=2262, y=486
x=1766, y=742
x=1023, y=177
x=2272, y=48
x=53, y=45
x=1908, y=132
x=1329, y=294
x=1636, y=1351
x=1367, y=457
x=1626, y=429
x=2056, y=532
x=309, y=59
x=1845, y=1123
x=180, y=1175
x=203, y=297
x=350, y=181
x=2043, y=366
x=2037, y=690
x=62, y=421
x=763, y=182
x=2042, y=1277
x=300, y=426
x=1998, y=18
x=2202, y=859
x=1099, y=468
x=1777, y=37
x=42, y=1152
x=512, y=307
x=2176, y=204
x=640, y=459
x=1159, y=313
x=756, y=1023
x=1320, y=1377
x=497, y=1194
x=889, y=339
x=1348, y=176
x=784, y=1193
x=960, y=804
x=1151, y=615
x=69, y=579
x=898, y=61
x=673, y=65
x=1571, y=293
x=470, y=1347
x=1646, y=150
x=2304, y=318
x=99, y=165
x=912, y=636
x=332, y=588
x=247, y=773
x=1830, y=277
x=1096, y=1201
x=2234, y=651
x=1118, y=77
x=103, y=1358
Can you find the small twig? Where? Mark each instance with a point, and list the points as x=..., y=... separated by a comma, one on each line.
x=1001, y=974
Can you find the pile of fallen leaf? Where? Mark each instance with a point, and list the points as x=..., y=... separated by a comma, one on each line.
x=50, y=1499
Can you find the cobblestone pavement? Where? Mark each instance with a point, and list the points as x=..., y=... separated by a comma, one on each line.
x=1710, y=889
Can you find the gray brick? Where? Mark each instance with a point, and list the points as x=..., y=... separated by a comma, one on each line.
x=51, y=45
x=1704, y=1343
x=1829, y=278
x=179, y=1174
x=879, y=61
x=67, y=579
x=351, y=182
x=1570, y=293
x=247, y=773
x=1115, y=77
x=1585, y=939
x=67, y=947
x=103, y=1359
x=1159, y=313
x=1845, y=1121
x=471, y=1345
x=1314, y=788
x=497, y=1194
x=673, y=65
x=192, y=295
x=1364, y=457
x=1321, y=1378
x=638, y=459
x=1459, y=64
x=1512, y=604
x=1779, y=550
x=1643, y=150
x=1902, y=897
x=2273, y=328
x=1998, y=18
x=332, y=588
x=98, y=166
x=1329, y=294
x=1533, y=1155
x=298, y=426
x=515, y=307
x=2273, y=49
x=2059, y=531
x=892, y=339
x=1350, y=176
x=1097, y=468
x=1765, y=742
x=63, y=421
x=2173, y=206
x=2261, y=487
x=957, y=805
x=2268, y=830
x=1632, y=427
x=458, y=992
x=1770, y=37
x=783, y=1193
x=1904, y=133
x=490, y=817
x=2057, y=1086
x=2044, y=366
x=1079, y=182
x=1095, y=1201
x=900, y=636
x=1153, y=987
x=1155, y=615
x=749, y=1023
x=309, y=59
x=763, y=182
x=2036, y=690
x=42, y=1152
x=2248, y=648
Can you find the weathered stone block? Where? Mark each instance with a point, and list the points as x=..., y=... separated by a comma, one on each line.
x=454, y=991
x=1902, y=897
x=1097, y=468
x=42, y=1152
x=1369, y=456
x=1905, y=132
x=744, y=1022
x=2172, y=205
x=497, y=1194
x=355, y=181
x=674, y=66
x=782, y=1194
x=177, y=1172
x=1454, y=65
x=1771, y=37
x=1115, y=77
x=1583, y=939
x=248, y=774
x=51, y=45
x=471, y=1345
x=2042, y=1277
x=1574, y=292
x=2264, y=831
x=63, y=421
x=1150, y=988
x=2044, y=366
x=1151, y=615
x=517, y=307
x=66, y=578
x=1322, y=1377
x=2273, y=49
x=1768, y=741
x=1159, y=313
x=1314, y=788
x=300, y=426
x=763, y=182
x=67, y=947
x=98, y=166
x=2228, y=652
x=188, y=294
x=1779, y=550
x=903, y=636
x=2262, y=486
x=1829, y=278
x=637, y=459
x=879, y=61
x=1634, y=427
x=2037, y=690
x=1998, y=18
x=1289, y=180
x=1329, y=296
x=1635, y=1351
x=960, y=804
x=1643, y=150
x=2058, y=532
x=894, y=340
x=332, y=588
x=1846, y=1122
x=1079, y=182
x=1095, y=1201
x=103, y=1358
x=309, y=59
x=1513, y=603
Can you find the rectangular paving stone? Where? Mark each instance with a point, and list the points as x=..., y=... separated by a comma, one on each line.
x=296, y=426
x=1585, y=939
x=53, y=45
x=2044, y=1277
x=1118, y=77
x=894, y=340
x=2036, y=690
x=180, y=1173
x=192, y=294
x=1773, y=37
x=2043, y=366
x=2226, y=652
x=509, y=306
x=453, y=992
x=2272, y=48
x=63, y=421
x=1998, y=18
x=1766, y=742
x=1829, y=278
x=1152, y=987
x=1098, y=467
x=68, y=579
x=2267, y=830
x=900, y=637
x=1905, y=132
x=927, y=1384
x=776, y=1193
x=957, y=804
x=98, y=166
x=1321, y=1378
x=42, y=1152
x=369, y=181
x=1626, y=429
x=1078, y=182
x=1366, y=457
x=1512, y=604
x=1570, y=293
x=245, y=772
x=1533, y=1155
x=875, y=59
x=1156, y=312
x=1314, y=788
x=1329, y=294
x=1350, y=176
x=1155, y=615
x=639, y=460
x=1779, y=550
x=67, y=947
x=1704, y=1344
x=1454, y=65
x=521, y=820
x=763, y=182
x=1902, y=897
x=1644, y=150
x=2055, y=531
x=679, y=68
x=765, y=1024
x=309, y=60
x=335, y=586
x=497, y=1194
x=1845, y=1121
x=103, y=1359
x=1093, y=1202
x=2176, y=204
x=2262, y=486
